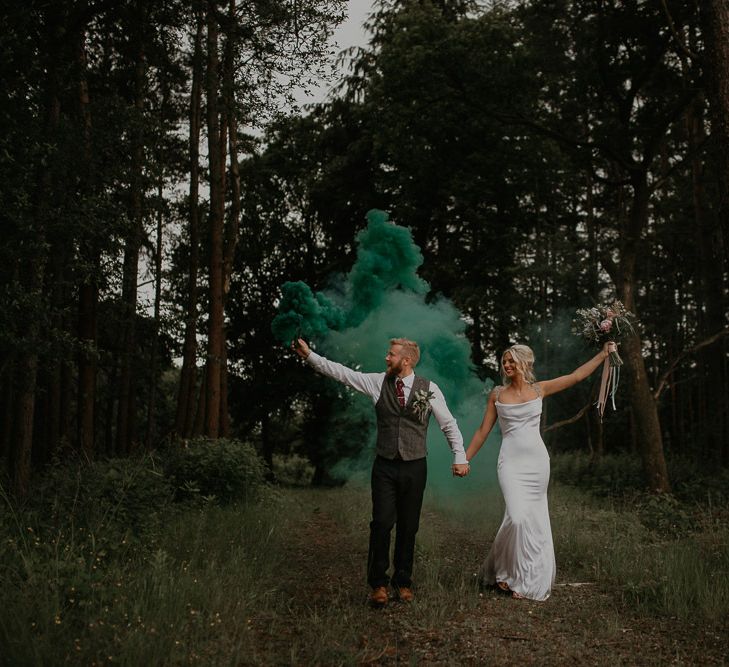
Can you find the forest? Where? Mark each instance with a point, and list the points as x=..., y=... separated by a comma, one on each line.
x=177, y=487
x=158, y=189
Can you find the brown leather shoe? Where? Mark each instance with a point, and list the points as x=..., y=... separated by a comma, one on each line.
x=405, y=594
x=378, y=596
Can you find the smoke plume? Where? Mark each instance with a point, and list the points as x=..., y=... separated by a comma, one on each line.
x=382, y=298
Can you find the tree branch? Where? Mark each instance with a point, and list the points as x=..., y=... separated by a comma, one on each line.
x=685, y=51
x=663, y=380
x=571, y=420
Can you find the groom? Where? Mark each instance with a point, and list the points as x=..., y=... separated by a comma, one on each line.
x=402, y=402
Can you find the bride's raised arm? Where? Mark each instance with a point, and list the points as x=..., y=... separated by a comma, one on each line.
x=565, y=381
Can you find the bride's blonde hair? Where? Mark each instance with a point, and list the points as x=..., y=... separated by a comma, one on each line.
x=524, y=359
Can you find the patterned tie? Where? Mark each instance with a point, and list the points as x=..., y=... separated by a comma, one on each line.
x=400, y=393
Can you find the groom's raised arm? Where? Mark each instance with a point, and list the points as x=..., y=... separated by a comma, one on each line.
x=366, y=383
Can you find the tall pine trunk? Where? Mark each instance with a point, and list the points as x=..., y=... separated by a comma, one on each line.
x=214, y=362
x=647, y=426
x=126, y=416
x=154, y=361
x=233, y=226
x=712, y=319
x=26, y=367
x=89, y=289
x=715, y=22
x=186, y=403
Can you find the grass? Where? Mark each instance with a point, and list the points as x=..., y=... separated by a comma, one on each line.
x=187, y=598
x=281, y=581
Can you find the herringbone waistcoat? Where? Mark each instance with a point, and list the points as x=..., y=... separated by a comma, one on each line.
x=400, y=430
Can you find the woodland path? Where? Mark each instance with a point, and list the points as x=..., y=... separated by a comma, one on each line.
x=324, y=617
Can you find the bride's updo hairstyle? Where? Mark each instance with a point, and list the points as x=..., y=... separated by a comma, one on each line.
x=524, y=359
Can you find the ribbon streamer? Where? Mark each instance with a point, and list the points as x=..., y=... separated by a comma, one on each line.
x=608, y=386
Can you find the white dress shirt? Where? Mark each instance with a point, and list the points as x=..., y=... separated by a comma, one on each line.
x=371, y=385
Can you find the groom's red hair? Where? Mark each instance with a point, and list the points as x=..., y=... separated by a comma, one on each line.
x=410, y=349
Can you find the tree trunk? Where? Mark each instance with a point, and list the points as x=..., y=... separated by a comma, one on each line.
x=716, y=402
x=23, y=437
x=88, y=290
x=26, y=367
x=58, y=407
x=233, y=226
x=647, y=427
x=152, y=407
x=186, y=397
x=216, y=223
x=198, y=424
x=7, y=405
x=715, y=22
x=126, y=416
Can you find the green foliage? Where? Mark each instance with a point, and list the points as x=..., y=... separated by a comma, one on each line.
x=85, y=595
x=621, y=474
x=665, y=514
x=223, y=470
x=293, y=470
x=214, y=584
x=610, y=475
x=658, y=555
x=124, y=496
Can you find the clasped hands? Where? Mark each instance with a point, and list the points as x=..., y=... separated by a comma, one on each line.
x=460, y=469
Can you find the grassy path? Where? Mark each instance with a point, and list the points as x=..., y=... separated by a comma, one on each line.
x=282, y=582
x=323, y=617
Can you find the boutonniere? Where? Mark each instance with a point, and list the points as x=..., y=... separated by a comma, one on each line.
x=421, y=403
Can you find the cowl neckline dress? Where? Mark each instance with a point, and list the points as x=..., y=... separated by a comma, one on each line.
x=522, y=554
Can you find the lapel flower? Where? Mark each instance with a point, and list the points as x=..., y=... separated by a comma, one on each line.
x=421, y=403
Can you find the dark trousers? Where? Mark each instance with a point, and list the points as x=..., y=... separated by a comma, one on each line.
x=397, y=496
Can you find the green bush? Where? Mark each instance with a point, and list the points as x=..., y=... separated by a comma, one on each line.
x=125, y=497
x=665, y=514
x=610, y=475
x=293, y=470
x=222, y=470
x=621, y=474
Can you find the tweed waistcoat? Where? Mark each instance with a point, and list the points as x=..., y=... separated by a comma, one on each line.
x=400, y=430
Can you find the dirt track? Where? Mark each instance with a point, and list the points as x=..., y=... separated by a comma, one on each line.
x=325, y=618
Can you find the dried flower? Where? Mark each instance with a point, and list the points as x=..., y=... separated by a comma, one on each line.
x=421, y=403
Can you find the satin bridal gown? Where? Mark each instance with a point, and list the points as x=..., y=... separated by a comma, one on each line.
x=522, y=554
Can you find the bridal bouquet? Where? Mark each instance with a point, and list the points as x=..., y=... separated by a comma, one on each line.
x=602, y=324
x=421, y=403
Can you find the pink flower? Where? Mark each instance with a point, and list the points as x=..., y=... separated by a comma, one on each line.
x=606, y=325
x=609, y=314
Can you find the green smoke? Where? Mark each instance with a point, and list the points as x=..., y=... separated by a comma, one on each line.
x=383, y=298
x=305, y=314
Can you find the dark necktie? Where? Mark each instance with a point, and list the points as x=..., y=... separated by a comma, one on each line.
x=400, y=393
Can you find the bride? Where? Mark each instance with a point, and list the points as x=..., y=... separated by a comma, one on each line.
x=521, y=559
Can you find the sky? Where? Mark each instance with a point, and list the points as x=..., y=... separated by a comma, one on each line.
x=349, y=33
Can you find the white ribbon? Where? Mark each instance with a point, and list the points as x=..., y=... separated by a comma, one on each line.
x=608, y=386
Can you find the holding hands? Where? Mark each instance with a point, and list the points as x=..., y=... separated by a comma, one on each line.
x=460, y=469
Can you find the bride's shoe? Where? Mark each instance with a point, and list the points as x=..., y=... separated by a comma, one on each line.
x=503, y=586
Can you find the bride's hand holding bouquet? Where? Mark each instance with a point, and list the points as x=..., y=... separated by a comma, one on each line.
x=605, y=325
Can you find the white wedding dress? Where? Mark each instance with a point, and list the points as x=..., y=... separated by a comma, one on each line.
x=522, y=554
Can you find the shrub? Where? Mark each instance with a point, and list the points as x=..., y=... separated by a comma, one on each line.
x=223, y=470
x=293, y=470
x=622, y=474
x=610, y=475
x=128, y=493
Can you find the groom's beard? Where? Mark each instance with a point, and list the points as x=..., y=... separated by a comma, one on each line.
x=394, y=371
